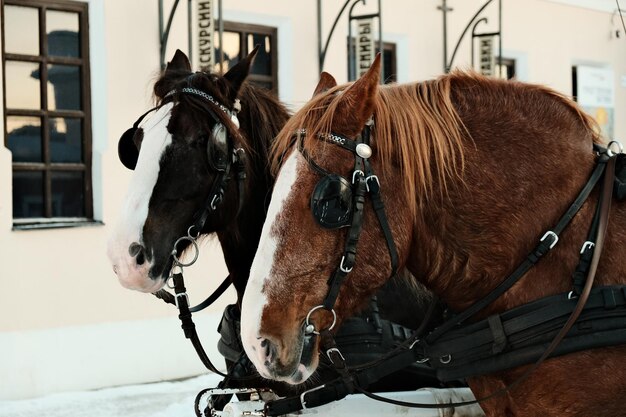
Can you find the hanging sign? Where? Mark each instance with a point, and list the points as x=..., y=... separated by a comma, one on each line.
x=486, y=57
x=364, y=45
x=595, y=87
x=204, y=29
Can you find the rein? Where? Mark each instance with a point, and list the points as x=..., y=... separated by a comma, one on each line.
x=413, y=349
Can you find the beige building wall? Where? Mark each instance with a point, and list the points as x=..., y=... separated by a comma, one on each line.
x=66, y=323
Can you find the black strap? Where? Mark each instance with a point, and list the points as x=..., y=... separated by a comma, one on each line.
x=400, y=359
x=171, y=299
x=187, y=324
x=540, y=250
x=373, y=186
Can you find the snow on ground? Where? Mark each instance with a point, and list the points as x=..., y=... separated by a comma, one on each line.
x=163, y=399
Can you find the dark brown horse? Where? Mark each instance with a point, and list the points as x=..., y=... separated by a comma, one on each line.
x=174, y=157
x=472, y=172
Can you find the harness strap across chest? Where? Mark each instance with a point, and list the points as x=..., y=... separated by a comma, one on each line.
x=601, y=311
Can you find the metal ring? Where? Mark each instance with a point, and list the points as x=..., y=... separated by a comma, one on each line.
x=609, y=152
x=189, y=232
x=175, y=252
x=306, y=321
x=170, y=282
x=445, y=359
x=571, y=295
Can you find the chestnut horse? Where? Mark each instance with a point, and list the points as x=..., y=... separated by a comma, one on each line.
x=472, y=172
x=174, y=157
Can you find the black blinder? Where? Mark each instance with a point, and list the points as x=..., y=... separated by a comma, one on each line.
x=127, y=150
x=217, y=148
x=331, y=202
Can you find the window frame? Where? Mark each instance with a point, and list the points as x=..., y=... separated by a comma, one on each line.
x=44, y=114
x=244, y=29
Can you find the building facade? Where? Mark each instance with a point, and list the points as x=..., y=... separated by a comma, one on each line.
x=76, y=74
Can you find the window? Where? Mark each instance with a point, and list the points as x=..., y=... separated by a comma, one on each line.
x=506, y=69
x=389, y=70
x=47, y=110
x=239, y=40
x=389, y=63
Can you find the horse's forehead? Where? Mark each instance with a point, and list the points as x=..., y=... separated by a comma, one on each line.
x=155, y=121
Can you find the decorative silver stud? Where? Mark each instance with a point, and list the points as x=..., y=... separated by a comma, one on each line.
x=363, y=150
x=309, y=329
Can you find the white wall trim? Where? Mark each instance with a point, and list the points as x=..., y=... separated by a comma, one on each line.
x=99, y=101
x=284, y=41
x=402, y=55
x=41, y=362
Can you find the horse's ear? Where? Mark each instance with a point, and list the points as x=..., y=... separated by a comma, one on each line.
x=237, y=74
x=326, y=82
x=180, y=62
x=359, y=99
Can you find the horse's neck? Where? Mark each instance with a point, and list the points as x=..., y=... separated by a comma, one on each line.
x=261, y=119
x=239, y=241
x=517, y=184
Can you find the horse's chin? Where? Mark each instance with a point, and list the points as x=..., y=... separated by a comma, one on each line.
x=138, y=278
x=307, y=364
x=142, y=283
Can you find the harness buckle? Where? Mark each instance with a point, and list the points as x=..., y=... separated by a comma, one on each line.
x=182, y=294
x=553, y=235
x=587, y=245
x=302, y=396
x=357, y=172
x=372, y=178
x=217, y=198
x=343, y=268
x=334, y=350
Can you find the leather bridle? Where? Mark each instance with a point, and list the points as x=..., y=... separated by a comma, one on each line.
x=363, y=181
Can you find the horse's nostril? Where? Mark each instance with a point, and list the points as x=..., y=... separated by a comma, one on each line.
x=268, y=349
x=137, y=251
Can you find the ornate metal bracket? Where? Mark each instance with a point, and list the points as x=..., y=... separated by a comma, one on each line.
x=473, y=23
x=164, y=32
x=323, y=48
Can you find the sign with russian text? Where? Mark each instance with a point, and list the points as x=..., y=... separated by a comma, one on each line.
x=486, y=57
x=364, y=45
x=204, y=56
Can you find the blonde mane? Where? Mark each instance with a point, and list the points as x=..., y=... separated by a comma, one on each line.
x=416, y=127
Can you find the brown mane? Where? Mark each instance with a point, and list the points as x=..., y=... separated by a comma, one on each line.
x=429, y=149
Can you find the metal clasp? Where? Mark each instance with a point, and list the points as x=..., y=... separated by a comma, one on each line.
x=554, y=235
x=334, y=350
x=355, y=173
x=182, y=294
x=373, y=178
x=343, y=268
x=302, y=401
x=586, y=245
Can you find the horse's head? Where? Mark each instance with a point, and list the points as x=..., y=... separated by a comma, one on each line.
x=184, y=153
x=313, y=207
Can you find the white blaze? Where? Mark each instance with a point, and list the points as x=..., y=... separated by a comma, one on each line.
x=135, y=206
x=254, y=300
